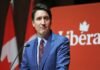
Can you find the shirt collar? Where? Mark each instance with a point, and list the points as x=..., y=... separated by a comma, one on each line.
x=39, y=39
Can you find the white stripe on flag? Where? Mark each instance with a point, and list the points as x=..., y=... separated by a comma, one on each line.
x=9, y=50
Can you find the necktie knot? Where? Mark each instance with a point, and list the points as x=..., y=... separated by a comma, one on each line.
x=41, y=42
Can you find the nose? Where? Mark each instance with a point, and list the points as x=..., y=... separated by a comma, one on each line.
x=43, y=21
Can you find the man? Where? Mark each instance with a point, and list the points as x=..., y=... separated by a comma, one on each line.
x=54, y=54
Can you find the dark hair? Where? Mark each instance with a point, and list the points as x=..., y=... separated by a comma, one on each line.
x=40, y=6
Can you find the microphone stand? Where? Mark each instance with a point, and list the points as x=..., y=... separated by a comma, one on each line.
x=17, y=56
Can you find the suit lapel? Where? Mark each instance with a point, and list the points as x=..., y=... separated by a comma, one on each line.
x=47, y=50
x=35, y=52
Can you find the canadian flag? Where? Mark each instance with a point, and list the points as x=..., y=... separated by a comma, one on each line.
x=9, y=48
x=30, y=31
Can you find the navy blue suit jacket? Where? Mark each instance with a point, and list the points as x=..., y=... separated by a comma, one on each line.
x=56, y=54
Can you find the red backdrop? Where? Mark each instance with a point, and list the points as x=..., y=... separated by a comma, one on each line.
x=81, y=24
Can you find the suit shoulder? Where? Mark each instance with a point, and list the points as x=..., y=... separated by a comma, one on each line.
x=31, y=42
x=61, y=41
x=61, y=38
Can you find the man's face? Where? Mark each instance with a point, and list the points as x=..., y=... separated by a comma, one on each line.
x=41, y=22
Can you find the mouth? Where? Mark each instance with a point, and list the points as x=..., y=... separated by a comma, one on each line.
x=44, y=27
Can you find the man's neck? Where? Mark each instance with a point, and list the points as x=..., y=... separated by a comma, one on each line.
x=44, y=36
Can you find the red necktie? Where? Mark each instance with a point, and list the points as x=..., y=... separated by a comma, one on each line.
x=41, y=49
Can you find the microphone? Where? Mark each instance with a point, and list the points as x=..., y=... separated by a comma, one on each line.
x=27, y=45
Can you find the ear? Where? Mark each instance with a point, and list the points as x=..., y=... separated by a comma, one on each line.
x=33, y=23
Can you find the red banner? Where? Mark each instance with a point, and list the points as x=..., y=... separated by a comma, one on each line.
x=81, y=24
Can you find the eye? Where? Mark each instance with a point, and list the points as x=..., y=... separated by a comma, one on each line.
x=38, y=18
x=46, y=18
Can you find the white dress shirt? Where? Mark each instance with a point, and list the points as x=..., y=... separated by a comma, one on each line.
x=45, y=41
